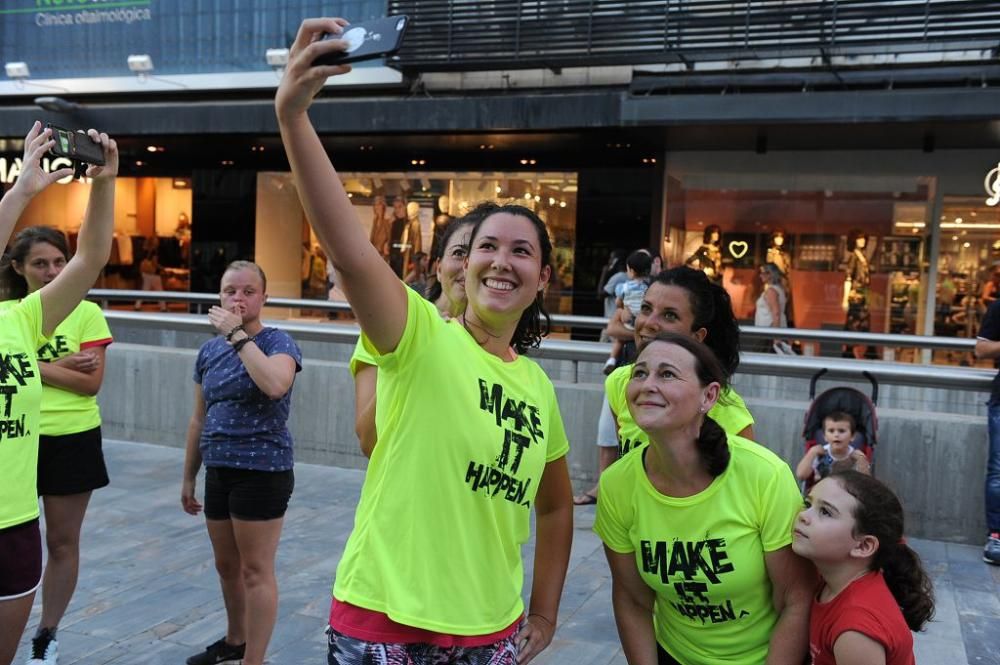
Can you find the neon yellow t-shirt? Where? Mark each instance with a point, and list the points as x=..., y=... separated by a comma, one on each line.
x=703, y=555
x=64, y=411
x=361, y=356
x=20, y=401
x=463, y=440
x=730, y=411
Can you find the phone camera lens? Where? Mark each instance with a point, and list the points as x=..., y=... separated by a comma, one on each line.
x=400, y=23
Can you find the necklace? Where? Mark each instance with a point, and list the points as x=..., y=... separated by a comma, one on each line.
x=465, y=324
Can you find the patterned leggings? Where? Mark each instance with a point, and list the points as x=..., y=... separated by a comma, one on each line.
x=346, y=650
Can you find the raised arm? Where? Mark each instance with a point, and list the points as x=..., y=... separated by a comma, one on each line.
x=64, y=293
x=376, y=295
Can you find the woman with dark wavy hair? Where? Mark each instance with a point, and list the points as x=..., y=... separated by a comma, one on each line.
x=469, y=433
x=874, y=588
x=697, y=526
x=685, y=301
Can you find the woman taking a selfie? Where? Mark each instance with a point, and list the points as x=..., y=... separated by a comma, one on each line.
x=24, y=328
x=432, y=572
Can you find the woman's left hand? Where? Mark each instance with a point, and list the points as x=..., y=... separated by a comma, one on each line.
x=533, y=638
x=223, y=320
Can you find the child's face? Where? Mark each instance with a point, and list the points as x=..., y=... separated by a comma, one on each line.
x=838, y=433
x=824, y=531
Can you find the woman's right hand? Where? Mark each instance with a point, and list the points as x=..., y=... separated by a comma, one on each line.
x=301, y=81
x=33, y=178
x=188, y=502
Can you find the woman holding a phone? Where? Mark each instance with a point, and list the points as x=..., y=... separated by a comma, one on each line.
x=24, y=327
x=432, y=572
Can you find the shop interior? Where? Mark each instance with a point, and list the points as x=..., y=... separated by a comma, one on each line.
x=152, y=241
x=732, y=233
x=423, y=204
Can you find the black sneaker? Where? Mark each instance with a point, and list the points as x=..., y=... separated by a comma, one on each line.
x=219, y=653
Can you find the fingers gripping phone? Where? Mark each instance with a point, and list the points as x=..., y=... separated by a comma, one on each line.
x=76, y=147
x=367, y=40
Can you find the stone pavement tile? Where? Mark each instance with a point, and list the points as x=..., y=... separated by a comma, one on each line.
x=149, y=593
x=965, y=553
x=929, y=550
x=577, y=652
x=939, y=652
x=980, y=603
x=969, y=575
x=980, y=635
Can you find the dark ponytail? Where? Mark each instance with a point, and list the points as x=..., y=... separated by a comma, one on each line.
x=534, y=322
x=880, y=514
x=12, y=285
x=712, y=444
x=712, y=309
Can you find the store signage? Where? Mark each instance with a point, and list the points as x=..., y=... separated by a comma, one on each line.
x=10, y=169
x=992, y=184
x=58, y=13
x=738, y=248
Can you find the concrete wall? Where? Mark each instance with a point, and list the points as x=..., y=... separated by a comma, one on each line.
x=932, y=442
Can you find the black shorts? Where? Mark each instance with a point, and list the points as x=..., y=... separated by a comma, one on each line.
x=71, y=463
x=246, y=494
x=20, y=560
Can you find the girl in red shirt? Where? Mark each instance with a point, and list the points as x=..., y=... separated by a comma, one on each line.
x=874, y=589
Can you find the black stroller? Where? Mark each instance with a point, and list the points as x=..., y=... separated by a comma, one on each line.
x=847, y=400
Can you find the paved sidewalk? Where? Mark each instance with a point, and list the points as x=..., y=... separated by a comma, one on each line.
x=148, y=591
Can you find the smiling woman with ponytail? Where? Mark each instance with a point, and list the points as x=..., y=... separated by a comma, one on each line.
x=697, y=525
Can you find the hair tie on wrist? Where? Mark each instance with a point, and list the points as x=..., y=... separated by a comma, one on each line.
x=543, y=618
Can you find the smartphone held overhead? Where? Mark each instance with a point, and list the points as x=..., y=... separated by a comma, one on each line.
x=367, y=40
x=76, y=146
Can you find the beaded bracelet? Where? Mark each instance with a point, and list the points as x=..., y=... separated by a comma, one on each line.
x=229, y=335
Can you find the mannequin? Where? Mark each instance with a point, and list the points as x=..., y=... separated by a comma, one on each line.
x=412, y=239
x=708, y=257
x=380, y=226
x=777, y=254
x=398, y=243
x=856, y=288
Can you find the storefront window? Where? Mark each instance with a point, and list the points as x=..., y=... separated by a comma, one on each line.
x=968, y=271
x=152, y=237
x=404, y=214
x=850, y=258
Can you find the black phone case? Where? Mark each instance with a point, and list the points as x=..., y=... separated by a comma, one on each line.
x=76, y=146
x=381, y=37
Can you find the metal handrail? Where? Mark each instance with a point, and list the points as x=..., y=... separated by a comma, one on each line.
x=571, y=321
x=961, y=378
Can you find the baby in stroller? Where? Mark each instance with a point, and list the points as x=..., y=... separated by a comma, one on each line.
x=837, y=451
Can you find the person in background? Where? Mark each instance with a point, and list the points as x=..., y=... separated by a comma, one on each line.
x=685, y=301
x=24, y=328
x=70, y=457
x=416, y=279
x=242, y=396
x=988, y=347
x=628, y=300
